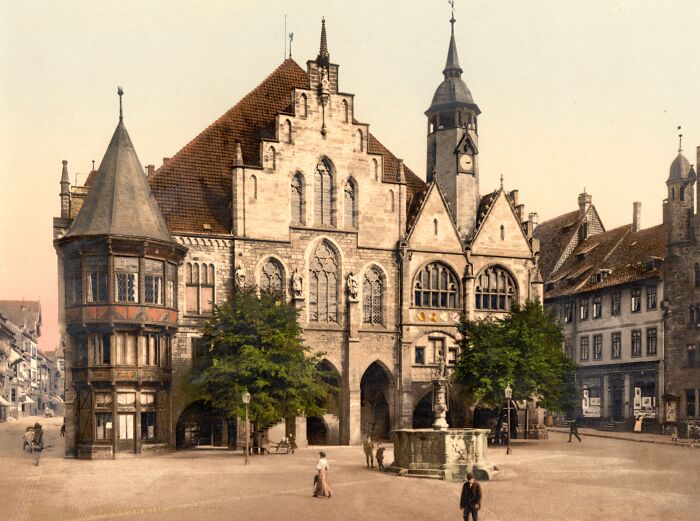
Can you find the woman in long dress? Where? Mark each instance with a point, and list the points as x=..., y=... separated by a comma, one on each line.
x=323, y=487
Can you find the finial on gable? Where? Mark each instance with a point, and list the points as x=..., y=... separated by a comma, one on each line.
x=120, y=92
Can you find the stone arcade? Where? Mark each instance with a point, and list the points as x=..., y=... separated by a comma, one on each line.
x=286, y=190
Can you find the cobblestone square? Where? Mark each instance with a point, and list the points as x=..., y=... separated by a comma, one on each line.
x=551, y=479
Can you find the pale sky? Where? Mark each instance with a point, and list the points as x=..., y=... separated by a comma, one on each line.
x=582, y=93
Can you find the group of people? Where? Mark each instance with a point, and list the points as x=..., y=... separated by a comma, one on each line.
x=370, y=455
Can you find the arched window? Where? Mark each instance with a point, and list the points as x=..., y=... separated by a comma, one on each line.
x=254, y=183
x=697, y=275
x=392, y=203
x=503, y=232
x=323, y=285
x=304, y=106
x=495, y=290
x=298, y=199
x=350, y=204
x=272, y=157
x=271, y=277
x=324, y=191
x=288, y=131
x=436, y=287
x=359, y=141
x=346, y=111
x=372, y=293
x=375, y=168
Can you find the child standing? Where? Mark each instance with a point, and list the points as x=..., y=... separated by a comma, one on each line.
x=380, y=456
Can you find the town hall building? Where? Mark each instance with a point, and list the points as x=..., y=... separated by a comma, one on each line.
x=288, y=191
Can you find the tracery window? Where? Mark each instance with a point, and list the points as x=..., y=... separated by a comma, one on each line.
x=271, y=278
x=323, y=285
x=153, y=281
x=436, y=287
x=298, y=199
x=324, y=191
x=495, y=289
x=350, y=204
x=126, y=275
x=372, y=293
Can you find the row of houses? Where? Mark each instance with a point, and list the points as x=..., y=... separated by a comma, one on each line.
x=626, y=300
x=31, y=381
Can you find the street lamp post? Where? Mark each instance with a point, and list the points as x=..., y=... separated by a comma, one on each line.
x=509, y=395
x=246, y=401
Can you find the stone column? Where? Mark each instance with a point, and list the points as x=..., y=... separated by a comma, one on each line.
x=351, y=421
x=405, y=405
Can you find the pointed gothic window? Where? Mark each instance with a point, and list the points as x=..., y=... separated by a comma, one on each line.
x=375, y=169
x=350, y=204
x=254, y=182
x=288, y=131
x=304, y=106
x=435, y=286
x=272, y=158
x=495, y=289
x=323, y=285
x=271, y=277
x=372, y=296
x=298, y=199
x=324, y=194
x=346, y=111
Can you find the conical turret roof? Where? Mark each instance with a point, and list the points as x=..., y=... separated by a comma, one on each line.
x=679, y=168
x=120, y=202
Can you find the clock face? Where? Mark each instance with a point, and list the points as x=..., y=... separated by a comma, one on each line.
x=466, y=162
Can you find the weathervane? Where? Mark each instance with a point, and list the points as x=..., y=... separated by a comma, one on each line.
x=291, y=37
x=120, y=91
x=680, y=140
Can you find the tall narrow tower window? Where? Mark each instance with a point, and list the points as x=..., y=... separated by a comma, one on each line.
x=435, y=226
x=375, y=168
x=272, y=158
x=324, y=191
x=254, y=186
x=359, y=141
x=350, y=204
x=503, y=232
x=298, y=199
x=288, y=131
x=304, y=106
x=372, y=293
x=346, y=111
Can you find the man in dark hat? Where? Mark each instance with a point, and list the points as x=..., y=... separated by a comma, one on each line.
x=573, y=430
x=470, y=502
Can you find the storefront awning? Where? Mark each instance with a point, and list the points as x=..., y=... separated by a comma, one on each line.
x=57, y=400
x=4, y=402
x=27, y=399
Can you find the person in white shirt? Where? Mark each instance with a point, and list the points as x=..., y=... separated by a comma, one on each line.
x=323, y=487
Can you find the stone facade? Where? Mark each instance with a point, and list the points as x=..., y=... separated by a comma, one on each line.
x=288, y=191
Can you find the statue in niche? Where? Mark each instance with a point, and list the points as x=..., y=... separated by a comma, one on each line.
x=352, y=286
x=325, y=82
x=442, y=367
x=239, y=276
x=297, y=285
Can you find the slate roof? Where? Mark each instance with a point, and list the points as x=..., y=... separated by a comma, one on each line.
x=554, y=235
x=193, y=188
x=620, y=255
x=120, y=202
x=21, y=313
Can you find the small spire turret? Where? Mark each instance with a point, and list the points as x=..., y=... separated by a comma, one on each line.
x=323, y=59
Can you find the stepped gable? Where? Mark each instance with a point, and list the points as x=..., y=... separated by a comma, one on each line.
x=620, y=255
x=193, y=188
x=554, y=236
x=120, y=202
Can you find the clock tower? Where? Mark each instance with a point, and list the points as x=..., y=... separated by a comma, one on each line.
x=452, y=143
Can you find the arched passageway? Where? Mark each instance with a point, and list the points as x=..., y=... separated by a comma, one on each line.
x=316, y=431
x=326, y=430
x=200, y=425
x=375, y=415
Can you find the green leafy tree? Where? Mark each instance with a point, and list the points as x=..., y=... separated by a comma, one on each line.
x=254, y=343
x=523, y=349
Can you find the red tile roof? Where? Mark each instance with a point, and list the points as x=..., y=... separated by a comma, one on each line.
x=555, y=235
x=193, y=188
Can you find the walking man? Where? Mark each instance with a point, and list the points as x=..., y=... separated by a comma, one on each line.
x=573, y=430
x=369, y=449
x=380, y=456
x=470, y=501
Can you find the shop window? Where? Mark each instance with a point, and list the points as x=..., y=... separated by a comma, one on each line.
x=153, y=281
x=597, y=306
x=96, y=279
x=435, y=286
x=651, y=341
x=636, y=300
x=103, y=423
x=126, y=276
x=420, y=355
x=636, y=342
x=651, y=297
x=616, y=345
x=615, y=303
x=584, y=348
x=148, y=425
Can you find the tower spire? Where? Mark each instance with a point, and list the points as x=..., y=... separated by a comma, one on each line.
x=323, y=58
x=452, y=68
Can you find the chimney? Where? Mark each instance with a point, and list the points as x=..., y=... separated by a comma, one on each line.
x=514, y=197
x=584, y=201
x=636, y=216
x=166, y=160
x=150, y=170
x=520, y=212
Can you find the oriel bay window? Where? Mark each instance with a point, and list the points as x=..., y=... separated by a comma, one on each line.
x=96, y=279
x=150, y=347
x=153, y=281
x=126, y=279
